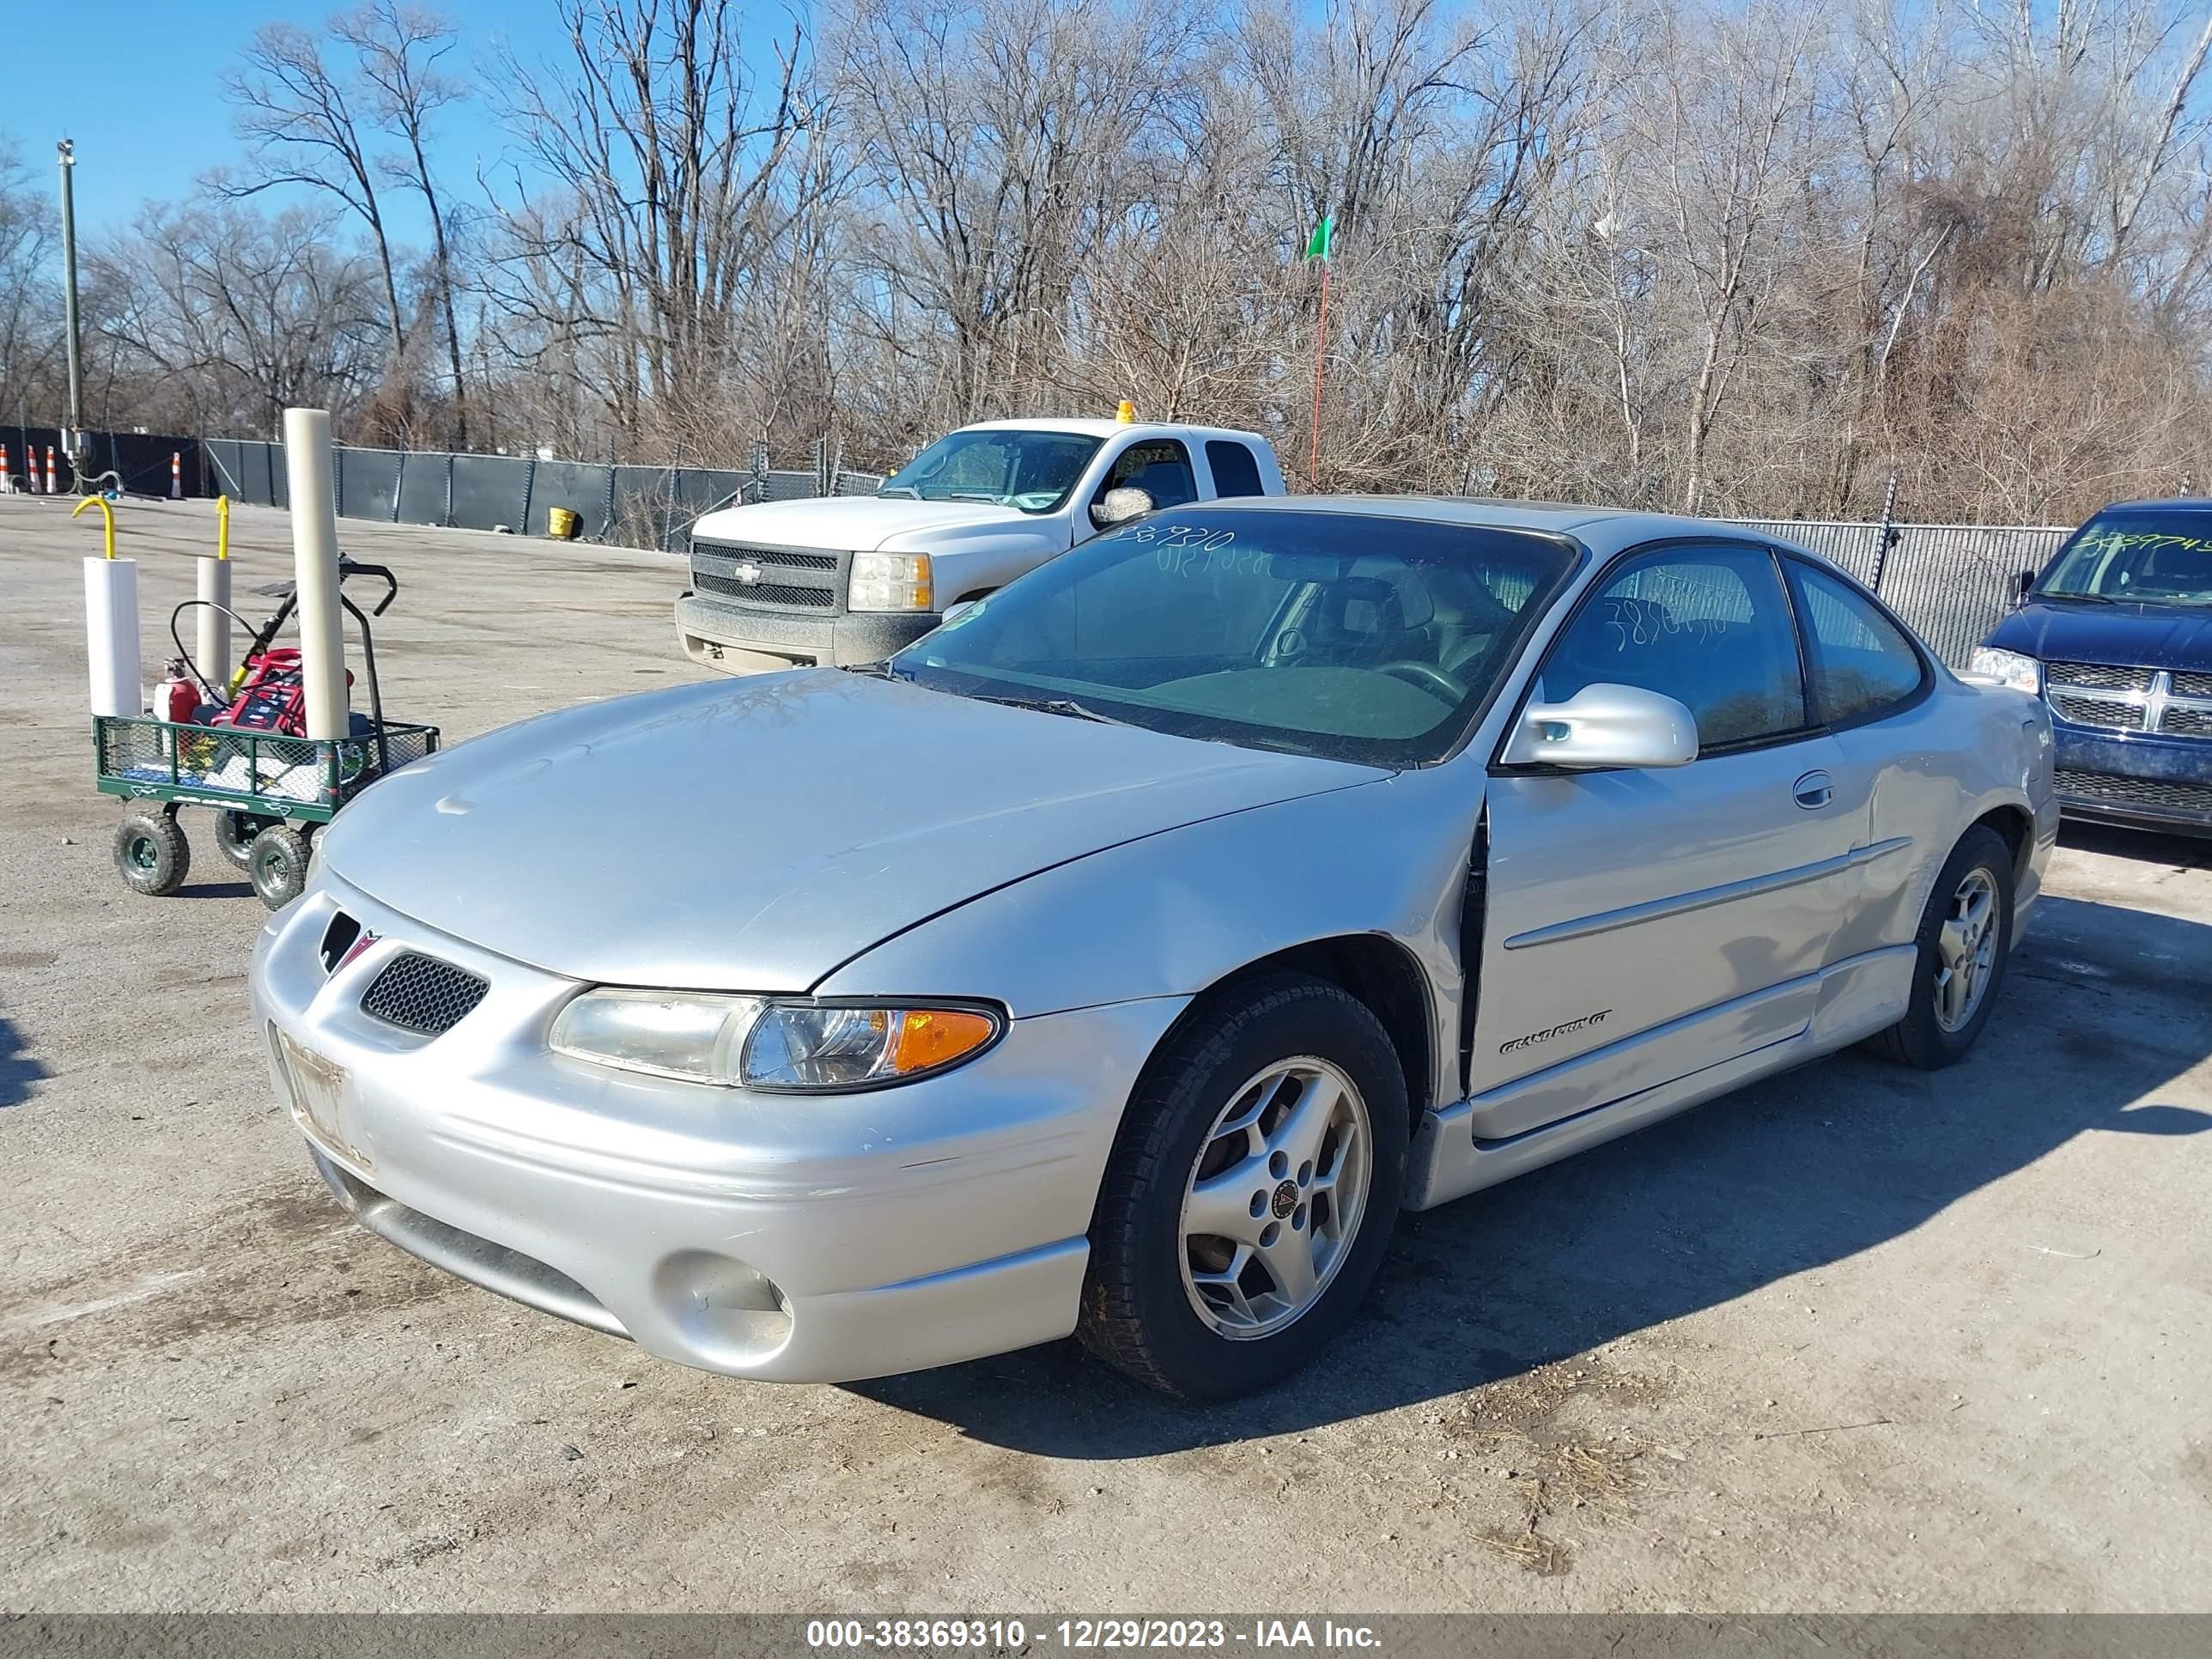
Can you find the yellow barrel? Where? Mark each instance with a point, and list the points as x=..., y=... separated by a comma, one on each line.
x=562, y=524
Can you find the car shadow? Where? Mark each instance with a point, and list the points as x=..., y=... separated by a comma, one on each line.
x=2100, y=1010
x=2146, y=846
x=19, y=1072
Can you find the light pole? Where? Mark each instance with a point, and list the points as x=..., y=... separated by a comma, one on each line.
x=73, y=439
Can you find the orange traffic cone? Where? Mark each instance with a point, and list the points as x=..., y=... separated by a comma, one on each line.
x=50, y=469
x=176, y=476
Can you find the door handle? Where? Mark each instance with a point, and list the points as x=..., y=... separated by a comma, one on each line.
x=1813, y=791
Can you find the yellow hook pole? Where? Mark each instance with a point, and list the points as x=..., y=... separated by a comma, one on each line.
x=105, y=512
x=223, y=527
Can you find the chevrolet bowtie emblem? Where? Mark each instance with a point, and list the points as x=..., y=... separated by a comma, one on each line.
x=747, y=572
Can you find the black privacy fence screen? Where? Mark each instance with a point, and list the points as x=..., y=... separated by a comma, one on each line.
x=1952, y=583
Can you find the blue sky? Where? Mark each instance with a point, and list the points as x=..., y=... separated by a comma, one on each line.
x=138, y=90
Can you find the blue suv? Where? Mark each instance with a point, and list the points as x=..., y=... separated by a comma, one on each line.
x=2116, y=635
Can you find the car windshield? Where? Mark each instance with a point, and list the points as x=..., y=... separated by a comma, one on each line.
x=2141, y=557
x=1349, y=635
x=1032, y=471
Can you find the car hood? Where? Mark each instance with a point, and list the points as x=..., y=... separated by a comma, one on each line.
x=2116, y=635
x=753, y=834
x=844, y=523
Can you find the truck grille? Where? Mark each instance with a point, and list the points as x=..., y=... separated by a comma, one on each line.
x=2174, y=705
x=773, y=578
x=2103, y=789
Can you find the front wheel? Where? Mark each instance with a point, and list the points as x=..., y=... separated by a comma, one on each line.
x=1253, y=1190
x=151, y=853
x=277, y=865
x=1966, y=935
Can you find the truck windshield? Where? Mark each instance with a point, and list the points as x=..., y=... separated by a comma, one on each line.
x=1032, y=471
x=2147, y=557
x=1353, y=637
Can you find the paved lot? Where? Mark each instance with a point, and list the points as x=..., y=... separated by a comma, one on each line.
x=1857, y=1338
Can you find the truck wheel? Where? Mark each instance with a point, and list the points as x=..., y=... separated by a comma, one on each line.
x=1965, y=934
x=234, y=836
x=1253, y=1190
x=152, y=854
x=278, y=869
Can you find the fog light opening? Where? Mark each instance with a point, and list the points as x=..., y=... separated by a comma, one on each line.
x=721, y=1302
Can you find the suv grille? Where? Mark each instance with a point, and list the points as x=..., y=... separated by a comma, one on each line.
x=783, y=578
x=2102, y=789
x=420, y=993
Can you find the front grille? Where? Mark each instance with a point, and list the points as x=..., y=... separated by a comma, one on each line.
x=763, y=592
x=2182, y=721
x=2091, y=693
x=787, y=578
x=2103, y=789
x=420, y=993
x=2192, y=685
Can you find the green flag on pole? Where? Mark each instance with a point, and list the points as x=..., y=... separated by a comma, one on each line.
x=1320, y=244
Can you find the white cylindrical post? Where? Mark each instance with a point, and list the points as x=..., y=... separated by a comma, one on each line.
x=308, y=471
x=214, y=657
x=111, y=636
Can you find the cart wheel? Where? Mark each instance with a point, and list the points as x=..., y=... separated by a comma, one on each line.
x=278, y=867
x=152, y=854
x=234, y=833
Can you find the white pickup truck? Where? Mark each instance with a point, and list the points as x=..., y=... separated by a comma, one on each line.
x=841, y=580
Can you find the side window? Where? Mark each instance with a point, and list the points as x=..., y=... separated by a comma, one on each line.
x=1158, y=467
x=1709, y=626
x=1235, y=471
x=1862, y=666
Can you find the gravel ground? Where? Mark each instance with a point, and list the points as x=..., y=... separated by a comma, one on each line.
x=1854, y=1338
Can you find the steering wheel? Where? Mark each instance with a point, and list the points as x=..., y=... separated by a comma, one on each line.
x=1428, y=677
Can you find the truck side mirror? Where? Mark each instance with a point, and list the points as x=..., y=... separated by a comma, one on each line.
x=1120, y=506
x=2022, y=585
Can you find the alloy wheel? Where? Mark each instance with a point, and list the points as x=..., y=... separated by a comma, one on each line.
x=1275, y=1198
x=1965, y=951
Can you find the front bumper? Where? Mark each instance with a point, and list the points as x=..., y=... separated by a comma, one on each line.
x=2144, y=781
x=788, y=1238
x=739, y=639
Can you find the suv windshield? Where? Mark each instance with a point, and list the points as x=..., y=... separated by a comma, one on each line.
x=1349, y=635
x=1032, y=471
x=2147, y=557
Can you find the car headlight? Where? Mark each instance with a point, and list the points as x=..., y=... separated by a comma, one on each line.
x=2022, y=673
x=752, y=1042
x=890, y=582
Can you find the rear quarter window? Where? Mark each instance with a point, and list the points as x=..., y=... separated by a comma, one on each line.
x=1235, y=470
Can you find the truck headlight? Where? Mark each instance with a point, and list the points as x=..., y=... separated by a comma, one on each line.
x=2022, y=673
x=751, y=1043
x=890, y=582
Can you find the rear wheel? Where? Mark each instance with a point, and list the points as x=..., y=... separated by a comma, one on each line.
x=151, y=853
x=1252, y=1193
x=234, y=836
x=277, y=865
x=1966, y=935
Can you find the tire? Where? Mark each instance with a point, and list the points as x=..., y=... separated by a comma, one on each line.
x=278, y=866
x=1158, y=1302
x=151, y=853
x=234, y=836
x=1931, y=1035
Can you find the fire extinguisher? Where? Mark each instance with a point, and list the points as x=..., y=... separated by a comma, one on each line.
x=177, y=698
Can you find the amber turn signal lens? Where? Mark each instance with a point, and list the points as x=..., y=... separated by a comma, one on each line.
x=930, y=1037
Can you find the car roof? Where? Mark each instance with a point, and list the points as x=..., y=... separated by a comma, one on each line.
x=2159, y=504
x=1105, y=427
x=1602, y=529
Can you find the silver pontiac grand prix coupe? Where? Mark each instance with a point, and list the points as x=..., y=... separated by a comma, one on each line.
x=1122, y=957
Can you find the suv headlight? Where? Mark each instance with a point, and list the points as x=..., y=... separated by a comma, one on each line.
x=751, y=1043
x=2022, y=673
x=890, y=582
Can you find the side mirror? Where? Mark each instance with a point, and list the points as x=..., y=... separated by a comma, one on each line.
x=1605, y=726
x=1120, y=506
x=957, y=608
x=2025, y=583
